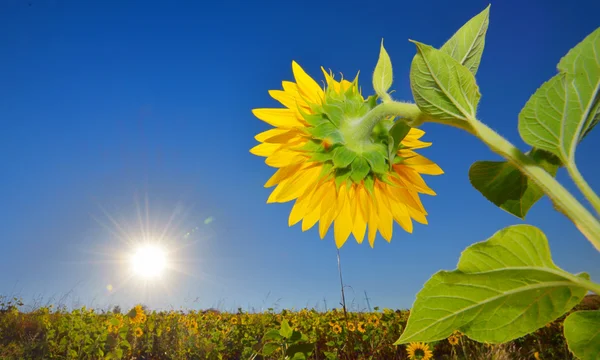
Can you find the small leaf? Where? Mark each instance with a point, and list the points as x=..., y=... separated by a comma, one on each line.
x=272, y=335
x=441, y=86
x=326, y=131
x=383, y=76
x=285, y=330
x=360, y=168
x=582, y=331
x=343, y=157
x=269, y=348
x=564, y=109
x=398, y=133
x=466, y=45
x=296, y=335
x=504, y=288
x=376, y=160
x=334, y=113
x=504, y=185
x=372, y=101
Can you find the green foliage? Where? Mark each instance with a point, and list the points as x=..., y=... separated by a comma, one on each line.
x=443, y=88
x=504, y=288
x=466, y=45
x=383, y=75
x=564, y=109
x=507, y=187
x=582, y=331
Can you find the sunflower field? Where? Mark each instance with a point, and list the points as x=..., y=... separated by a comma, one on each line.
x=48, y=333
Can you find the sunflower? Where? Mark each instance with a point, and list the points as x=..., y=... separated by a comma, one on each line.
x=361, y=327
x=373, y=320
x=336, y=329
x=234, y=321
x=419, y=350
x=337, y=169
x=453, y=340
x=351, y=327
x=138, y=331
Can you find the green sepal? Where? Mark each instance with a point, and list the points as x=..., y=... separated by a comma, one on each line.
x=376, y=161
x=326, y=170
x=321, y=156
x=334, y=113
x=326, y=131
x=398, y=132
x=311, y=146
x=370, y=183
x=342, y=157
x=360, y=168
x=312, y=119
x=341, y=175
x=372, y=101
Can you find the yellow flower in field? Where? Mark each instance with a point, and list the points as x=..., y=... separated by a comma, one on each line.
x=453, y=340
x=351, y=327
x=361, y=327
x=340, y=167
x=138, y=331
x=336, y=328
x=234, y=320
x=419, y=350
x=373, y=320
x=536, y=355
x=168, y=329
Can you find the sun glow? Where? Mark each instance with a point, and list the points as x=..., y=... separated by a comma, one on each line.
x=149, y=261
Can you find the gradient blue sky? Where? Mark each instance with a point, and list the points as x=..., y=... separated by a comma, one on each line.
x=106, y=103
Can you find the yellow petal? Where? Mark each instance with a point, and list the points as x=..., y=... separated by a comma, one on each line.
x=311, y=218
x=407, y=197
x=286, y=99
x=417, y=215
x=372, y=222
x=284, y=157
x=363, y=202
x=307, y=87
x=401, y=215
x=298, y=183
x=359, y=224
x=386, y=220
x=282, y=174
x=265, y=149
x=415, y=133
x=282, y=118
x=411, y=178
x=328, y=208
x=343, y=222
x=300, y=208
x=422, y=165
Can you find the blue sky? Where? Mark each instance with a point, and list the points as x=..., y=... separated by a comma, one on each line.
x=105, y=103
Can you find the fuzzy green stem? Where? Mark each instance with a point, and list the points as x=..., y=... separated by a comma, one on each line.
x=563, y=200
x=583, y=186
x=363, y=128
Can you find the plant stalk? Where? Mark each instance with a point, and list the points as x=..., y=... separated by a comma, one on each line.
x=584, y=187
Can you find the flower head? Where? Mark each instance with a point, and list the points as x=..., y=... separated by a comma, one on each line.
x=453, y=340
x=351, y=327
x=336, y=328
x=419, y=350
x=361, y=327
x=338, y=168
x=138, y=331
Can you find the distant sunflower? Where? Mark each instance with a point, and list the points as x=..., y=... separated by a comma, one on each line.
x=453, y=340
x=351, y=327
x=419, y=350
x=336, y=329
x=234, y=320
x=138, y=331
x=361, y=327
x=336, y=171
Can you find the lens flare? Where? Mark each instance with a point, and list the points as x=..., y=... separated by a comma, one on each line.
x=149, y=261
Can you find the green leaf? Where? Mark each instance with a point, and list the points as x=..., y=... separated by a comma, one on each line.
x=343, y=157
x=376, y=160
x=269, y=348
x=441, y=86
x=564, y=109
x=505, y=186
x=304, y=349
x=372, y=101
x=285, y=330
x=296, y=335
x=504, y=288
x=582, y=331
x=360, y=168
x=383, y=75
x=272, y=335
x=334, y=112
x=398, y=133
x=466, y=45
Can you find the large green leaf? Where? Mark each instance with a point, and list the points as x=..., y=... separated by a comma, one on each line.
x=564, y=109
x=383, y=75
x=466, y=45
x=442, y=87
x=508, y=188
x=582, y=331
x=504, y=288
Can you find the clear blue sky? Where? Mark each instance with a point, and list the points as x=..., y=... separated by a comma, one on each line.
x=105, y=102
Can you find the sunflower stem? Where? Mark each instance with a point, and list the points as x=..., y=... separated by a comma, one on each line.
x=561, y=197
x=363, y=128
x=342, y=285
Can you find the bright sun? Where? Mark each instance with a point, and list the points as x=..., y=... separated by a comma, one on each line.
x=149, y=261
